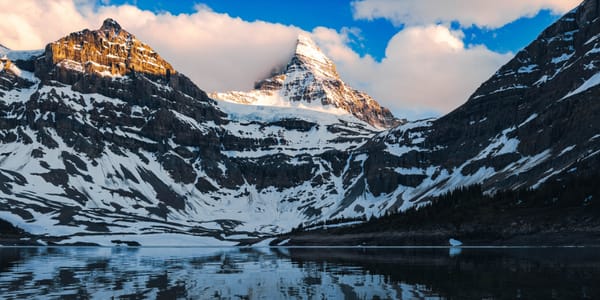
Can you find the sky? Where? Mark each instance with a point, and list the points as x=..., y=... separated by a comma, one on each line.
x=420, y=58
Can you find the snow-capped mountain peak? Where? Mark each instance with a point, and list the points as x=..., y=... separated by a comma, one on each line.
x=311, y=80
x=313, y=58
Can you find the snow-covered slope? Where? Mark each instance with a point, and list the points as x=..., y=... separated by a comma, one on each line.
x=310, y=81
x=13, y=55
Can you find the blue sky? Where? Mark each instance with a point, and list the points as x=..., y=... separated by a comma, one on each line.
x=420, y=58
x=337, y=14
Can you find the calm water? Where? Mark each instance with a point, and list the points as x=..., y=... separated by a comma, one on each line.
x=288, y=273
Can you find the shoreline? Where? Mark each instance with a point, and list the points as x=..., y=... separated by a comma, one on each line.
x=381, y=240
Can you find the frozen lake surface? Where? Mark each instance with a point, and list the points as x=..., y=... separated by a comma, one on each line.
x=299, y=273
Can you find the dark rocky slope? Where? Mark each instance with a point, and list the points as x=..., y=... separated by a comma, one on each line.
x=535, y=119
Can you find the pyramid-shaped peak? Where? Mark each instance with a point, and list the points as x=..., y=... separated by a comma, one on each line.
x=110, y=25
x=308, y=56
x=311, y=80
x=109, y=51
x=307, y=48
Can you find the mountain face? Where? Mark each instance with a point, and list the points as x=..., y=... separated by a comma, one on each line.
x=310, y=79
x=533, y=121
x=102, y=137
x=120, y=146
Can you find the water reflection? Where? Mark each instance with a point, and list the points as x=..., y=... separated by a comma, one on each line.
x=298, y=273
x=454, y=251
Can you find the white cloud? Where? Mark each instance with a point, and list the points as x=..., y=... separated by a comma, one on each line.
x=426, y=70
x=31, y=24
x=492, y=14
x=217, y=51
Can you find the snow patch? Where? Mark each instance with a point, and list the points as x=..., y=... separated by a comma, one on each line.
x=588, y=84
x=562, y=58
x=500, y=145
x=531, y=118
x=455, y=243
x=264, y=243
x=508, y=88
x=527, y=69
x=542, y=80
x=568, y=149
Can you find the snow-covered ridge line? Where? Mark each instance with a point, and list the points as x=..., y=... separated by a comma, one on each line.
x=15, y=55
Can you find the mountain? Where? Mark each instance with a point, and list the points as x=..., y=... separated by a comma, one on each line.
x=310, y=80
x=528, y=140
x=534, y=121
x=103, y=140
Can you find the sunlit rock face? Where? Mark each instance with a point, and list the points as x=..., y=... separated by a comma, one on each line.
x=109, y=51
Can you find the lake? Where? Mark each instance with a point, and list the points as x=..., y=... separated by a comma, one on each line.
x=299, y=273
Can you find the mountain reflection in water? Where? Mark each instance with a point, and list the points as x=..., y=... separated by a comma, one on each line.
x=299, y=273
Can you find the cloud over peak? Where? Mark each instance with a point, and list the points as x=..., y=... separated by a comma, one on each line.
x=426, y=70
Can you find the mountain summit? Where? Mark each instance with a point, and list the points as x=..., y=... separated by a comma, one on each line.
x=109, y=51
x=311, y=79
x=312, y=58
x=112, y=62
